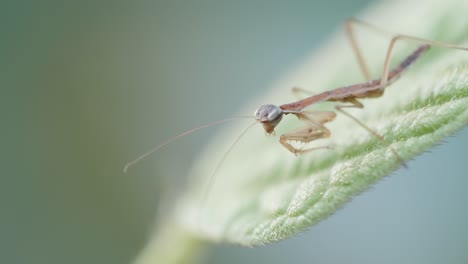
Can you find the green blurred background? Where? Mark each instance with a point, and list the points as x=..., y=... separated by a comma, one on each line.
x=89, y=85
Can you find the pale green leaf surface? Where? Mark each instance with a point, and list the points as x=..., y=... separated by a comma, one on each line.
x=263, y=193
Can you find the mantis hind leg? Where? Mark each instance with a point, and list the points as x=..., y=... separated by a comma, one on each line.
x=349, y=26
x=356, y=104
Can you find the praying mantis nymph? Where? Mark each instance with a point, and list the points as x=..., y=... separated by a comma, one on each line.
x=350, y=96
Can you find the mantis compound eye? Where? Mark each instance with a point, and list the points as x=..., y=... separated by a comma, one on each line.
x=268, y=113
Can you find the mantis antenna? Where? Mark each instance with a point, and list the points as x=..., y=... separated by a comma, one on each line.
x=183, y=134
x=218, y=165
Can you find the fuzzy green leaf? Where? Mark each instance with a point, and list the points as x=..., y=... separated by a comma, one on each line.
x=263, y=193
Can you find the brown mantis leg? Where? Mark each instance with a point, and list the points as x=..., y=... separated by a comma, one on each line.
x=350, y=33
x=356, y=104
x=357, y=51
x=396, y=37
x=314, y=130
x=298, y=90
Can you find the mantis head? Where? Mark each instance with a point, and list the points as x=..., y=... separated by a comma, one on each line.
x=269, y=116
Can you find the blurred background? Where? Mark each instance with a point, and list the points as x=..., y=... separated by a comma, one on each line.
x=90, y=85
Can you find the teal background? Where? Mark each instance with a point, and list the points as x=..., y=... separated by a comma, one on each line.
x=89, y=85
